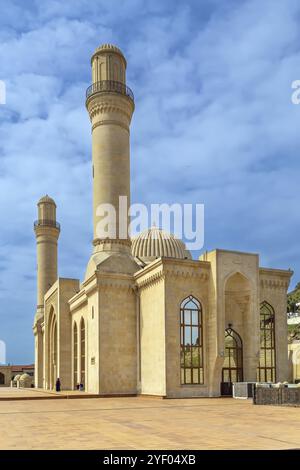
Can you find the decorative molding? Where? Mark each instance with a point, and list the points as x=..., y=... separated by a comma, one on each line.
x=109, y=122
x=110, y=284
x=112, y=241
x=187, y=273
x=109, y=106
x=184, y=273
x=274, y=284
x=151, y=280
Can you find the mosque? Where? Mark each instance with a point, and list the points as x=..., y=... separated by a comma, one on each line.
x=147, y=318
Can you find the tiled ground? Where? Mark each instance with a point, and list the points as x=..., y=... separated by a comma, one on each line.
x=147, y=423
x=8, y=393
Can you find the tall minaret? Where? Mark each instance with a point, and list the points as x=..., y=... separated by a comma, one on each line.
x=47, y=232
x=110, y=105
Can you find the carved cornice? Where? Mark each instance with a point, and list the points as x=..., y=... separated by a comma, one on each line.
x=114, y=285
x=165, y=268
x=274, y=284
x=110, y=122
x=150, y=280
x=184, y=273
x=98, y=105
x=112, y=241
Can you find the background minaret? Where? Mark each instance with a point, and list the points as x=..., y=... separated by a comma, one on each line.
x=47, y=232
x=110, y=105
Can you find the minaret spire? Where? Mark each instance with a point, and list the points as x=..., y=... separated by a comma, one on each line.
x=47, y=232
x=110, y=105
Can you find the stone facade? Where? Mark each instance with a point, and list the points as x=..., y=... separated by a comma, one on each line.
x=9, y=372
x=124, y=330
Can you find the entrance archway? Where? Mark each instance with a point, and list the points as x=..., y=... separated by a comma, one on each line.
x=232, y=370
x=2, y=379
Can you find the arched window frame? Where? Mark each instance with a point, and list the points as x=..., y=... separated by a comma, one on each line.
x=82, y=351
x=75, y=355
x=266, y=371
x=234, y=369
x=191, y=350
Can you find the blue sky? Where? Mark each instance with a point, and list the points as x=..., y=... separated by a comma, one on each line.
x=214, y=124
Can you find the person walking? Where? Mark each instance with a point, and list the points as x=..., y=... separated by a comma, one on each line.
x=58, y=385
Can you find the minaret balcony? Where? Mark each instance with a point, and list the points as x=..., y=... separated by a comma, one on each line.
x=109, y=86
x=47, y=223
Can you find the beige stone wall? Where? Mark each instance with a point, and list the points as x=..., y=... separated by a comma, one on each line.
x=67, y=288
x=93, y=342
x=117, y=323
x=182, y=279
x=107, y=303
x=79, y=313
x=85, y=306
x=6, y=375
x=152, y=331
x=57, y=307
x=38, y=353
x=234, y=290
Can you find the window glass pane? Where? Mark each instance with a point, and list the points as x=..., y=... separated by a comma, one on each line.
x=187, y=356
x=269, y=356
x=195, y=376
x=268, y=342
x=182, y=358
x=235, y=375
x=195, y=318
x=187, y=317
x=187, y=335
x=195, y=336
x=225, y=375
x=229, y=343
x=188, y=378
x=195, y=357
x=193, y=304
x=226, y=361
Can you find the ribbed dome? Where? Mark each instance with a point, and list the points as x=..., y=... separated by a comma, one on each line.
x=46, y=199
x=109, y=47
x=156, y=243
x=25, y=377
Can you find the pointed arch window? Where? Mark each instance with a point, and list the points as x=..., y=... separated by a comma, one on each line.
x=82, y=351
x=232, y=370
x=266, y=371
x=191, y=342
x=75, y=355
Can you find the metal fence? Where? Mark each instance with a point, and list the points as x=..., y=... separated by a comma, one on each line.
x=283, y=395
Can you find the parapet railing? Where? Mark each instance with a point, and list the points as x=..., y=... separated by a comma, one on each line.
x=108, y=86
x=47, y=223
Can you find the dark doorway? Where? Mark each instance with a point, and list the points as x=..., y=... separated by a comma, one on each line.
x=2, y=379
x=232, y=370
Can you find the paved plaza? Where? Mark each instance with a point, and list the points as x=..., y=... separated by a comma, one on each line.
x=144, y=423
